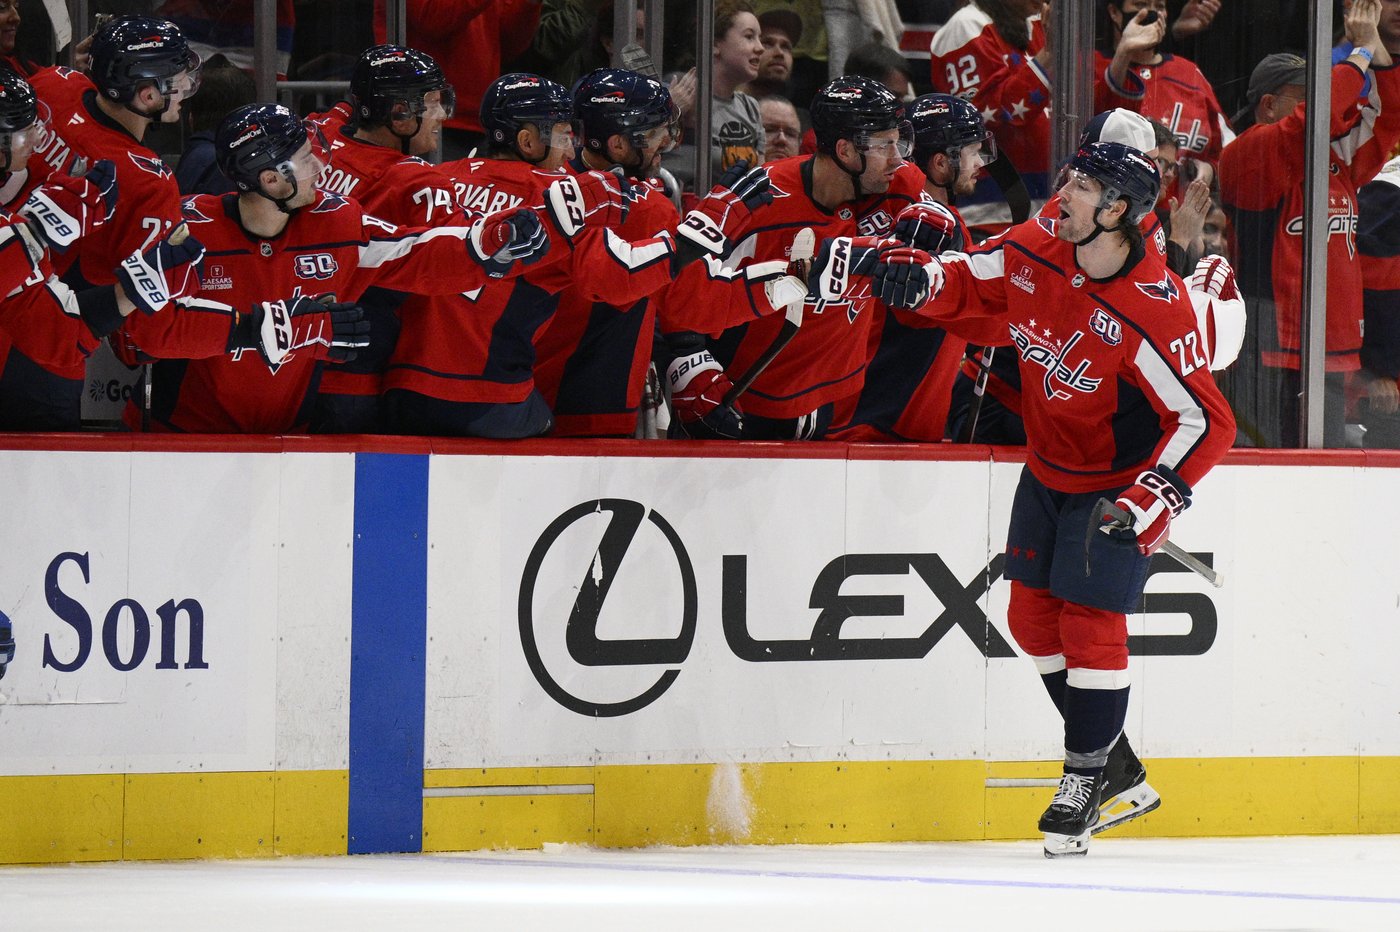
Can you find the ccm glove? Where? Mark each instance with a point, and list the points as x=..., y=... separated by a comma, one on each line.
x=905, y=277
x=698, y=385
x=166, y=271
x=324, y=328
x=66, y=208
x=589, y=199
x=724, y=213
x=929, y=226
x=1157, y=496
x=499, y=240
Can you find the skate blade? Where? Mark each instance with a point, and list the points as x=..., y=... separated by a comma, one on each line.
x=1126, y=806
x=1066, y=846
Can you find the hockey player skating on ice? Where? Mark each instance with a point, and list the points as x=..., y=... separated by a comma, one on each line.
x=1119, y=403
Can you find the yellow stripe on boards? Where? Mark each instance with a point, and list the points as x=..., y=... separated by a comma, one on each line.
x=311, y=811
x=57, y=819
x=199, y=815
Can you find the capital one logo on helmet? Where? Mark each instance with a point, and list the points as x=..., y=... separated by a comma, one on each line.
x=252, y=133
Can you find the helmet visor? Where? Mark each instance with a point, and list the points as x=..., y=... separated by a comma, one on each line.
x=660, y=138
x=561, y=135
x=22, y=140
x=1079, y=187
x=882, y=143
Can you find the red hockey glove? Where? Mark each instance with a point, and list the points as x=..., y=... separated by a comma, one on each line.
x=1215, y=277
x=324, y=329
x=698, y=385
x=589, y=199
x=929, y=226
x=1157, y=496
x=66, y=208
x=501, y=239
x=166, y=271
x=724, y=213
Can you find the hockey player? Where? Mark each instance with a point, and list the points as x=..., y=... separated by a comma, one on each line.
x=141, y=71
x=233, y=361
x=399, y=100
x=1118, y=404
x=856, y=183
x=466, y=364
x=912, y=364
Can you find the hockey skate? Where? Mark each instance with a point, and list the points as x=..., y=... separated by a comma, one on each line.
x=1072, y=815
x=1126, y=792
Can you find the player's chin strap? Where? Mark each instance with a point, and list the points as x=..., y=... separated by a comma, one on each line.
x=290, y=174
x=855, y=176
x=1098, y=228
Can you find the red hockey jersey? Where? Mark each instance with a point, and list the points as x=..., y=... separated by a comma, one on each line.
x=827, y=358
x=1179, y=97
x=1261, y=187
x=1114, y=379
x=329, y=247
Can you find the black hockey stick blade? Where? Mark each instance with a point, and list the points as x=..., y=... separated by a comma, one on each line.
x=1013, y=187
x=1111, y=516
x=804, y=246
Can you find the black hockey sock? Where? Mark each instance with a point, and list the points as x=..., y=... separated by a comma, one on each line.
x=1093, y=720
x=1055, y=686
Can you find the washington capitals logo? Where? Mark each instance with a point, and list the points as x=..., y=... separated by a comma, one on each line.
x=1046, y=224
x=154, y=166
x=329, y=201
x=1164, y=290
x=193, y=214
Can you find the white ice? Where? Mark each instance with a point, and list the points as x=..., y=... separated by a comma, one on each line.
x=1342, y=883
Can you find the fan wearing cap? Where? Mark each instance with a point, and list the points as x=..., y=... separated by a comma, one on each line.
x=1118, y=404
x=1262, y=190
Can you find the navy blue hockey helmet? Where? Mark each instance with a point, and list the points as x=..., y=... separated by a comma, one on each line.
x=516, y=100
x=389, y=83
x=852, y=106
x=256, y=138
x=944, y=123
x=1124, y=174
x=132, y=51
x=613, y=102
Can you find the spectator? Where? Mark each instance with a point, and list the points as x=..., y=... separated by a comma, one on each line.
x=1215, y=232
x=471, y=38
x=222, y=88
x=779, y=30
x=879, y=61
x=781, y=129
x=1177, y=93
x=9, y=34
x=995, y=54
x=1182, y=215
x=1261, y=183
x=736, y=128
x=1378, y=242
x=557, y=51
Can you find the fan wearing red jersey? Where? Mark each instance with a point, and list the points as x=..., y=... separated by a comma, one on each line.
x=244, y=355
x=1119, y=404
x=857, y=183
x=399, y=100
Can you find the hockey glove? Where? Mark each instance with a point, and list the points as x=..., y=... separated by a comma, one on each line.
x=589, y=199
x=1220, y=310
x=7, y=644
x=323, y=328
x=905, y=277
x=66, y=208
x=929, y=226
x=698, y=385
x=163, y=273
x=501, y=239
x=724, y=213
x=1157, y=496
x=842, y=267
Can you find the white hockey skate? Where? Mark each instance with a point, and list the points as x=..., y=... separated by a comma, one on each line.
x=1072, y=816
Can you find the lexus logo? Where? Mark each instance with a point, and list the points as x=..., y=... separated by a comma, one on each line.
x=581, y=640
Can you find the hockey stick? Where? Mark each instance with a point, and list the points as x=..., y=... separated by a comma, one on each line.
x=979, y=390
x=635, y=58
x=1111, y=516
x=1013, y=187
x=799, y=260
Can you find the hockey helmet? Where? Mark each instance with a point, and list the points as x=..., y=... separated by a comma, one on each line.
x=1123, y=173
x=614, y=102
x=256, y=138
x=389, y=83
x=19, y=117
x=853, y=107
x=516, y=100
x=944, y=123
x=132, y=51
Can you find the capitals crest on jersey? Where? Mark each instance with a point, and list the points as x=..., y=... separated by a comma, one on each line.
x=1164, y=290
x=154, y=166
x=1038, y=349
x=329, y=201
x=192, y=214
